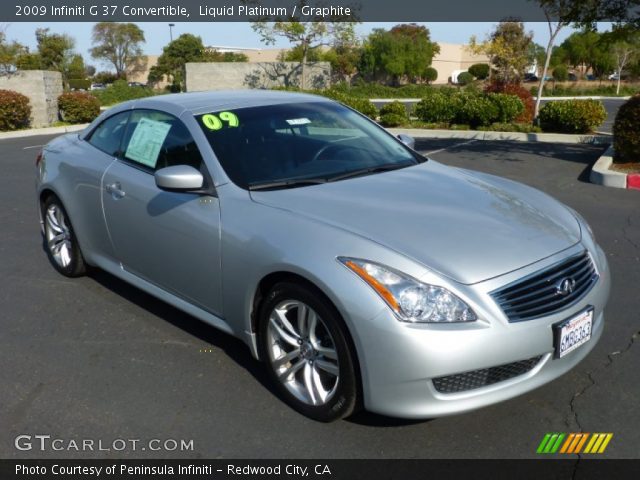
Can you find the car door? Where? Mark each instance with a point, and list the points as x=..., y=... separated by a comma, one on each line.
x=171, y=239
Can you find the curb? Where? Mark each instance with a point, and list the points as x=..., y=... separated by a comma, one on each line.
x=602, y=175
x=42, y=131
x=547, y=99
x=596, y=139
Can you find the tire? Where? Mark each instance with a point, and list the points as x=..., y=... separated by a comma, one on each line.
x=307, y=357
x=60, y=241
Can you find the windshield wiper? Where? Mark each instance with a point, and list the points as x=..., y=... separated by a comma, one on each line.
x=366, y=171
x=294, y=182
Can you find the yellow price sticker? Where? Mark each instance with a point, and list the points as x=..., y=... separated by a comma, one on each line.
x=215, y=122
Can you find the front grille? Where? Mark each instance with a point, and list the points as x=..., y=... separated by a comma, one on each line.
x=462, y=382
x=542, y=294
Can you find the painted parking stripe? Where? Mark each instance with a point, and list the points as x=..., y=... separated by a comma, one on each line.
x=452, y=146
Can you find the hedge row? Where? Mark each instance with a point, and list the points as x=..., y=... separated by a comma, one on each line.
x=78, y=107
x=572, y=116
x=468, y=107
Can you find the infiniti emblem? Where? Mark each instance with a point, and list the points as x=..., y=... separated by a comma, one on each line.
x=565, y=286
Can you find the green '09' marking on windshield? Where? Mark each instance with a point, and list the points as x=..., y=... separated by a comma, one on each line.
x=212, y=122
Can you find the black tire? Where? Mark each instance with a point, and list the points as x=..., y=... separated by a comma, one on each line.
x=343, y=399
x=73, y=264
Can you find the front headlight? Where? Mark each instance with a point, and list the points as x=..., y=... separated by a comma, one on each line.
x=411, y=300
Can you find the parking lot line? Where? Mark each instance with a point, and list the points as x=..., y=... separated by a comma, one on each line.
x=450, y=147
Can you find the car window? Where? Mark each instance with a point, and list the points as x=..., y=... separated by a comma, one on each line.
x=296, y=141
x=155, y=140
x=108, y=135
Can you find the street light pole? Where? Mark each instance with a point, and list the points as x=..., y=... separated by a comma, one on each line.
x=171, y=25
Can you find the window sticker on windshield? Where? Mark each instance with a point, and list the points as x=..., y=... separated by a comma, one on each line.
x=216, y=122
x=298, y=121
x=146, y=141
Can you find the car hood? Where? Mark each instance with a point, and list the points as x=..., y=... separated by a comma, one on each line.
x=467, y=226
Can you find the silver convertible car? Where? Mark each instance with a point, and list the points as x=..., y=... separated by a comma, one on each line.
x=362, y=274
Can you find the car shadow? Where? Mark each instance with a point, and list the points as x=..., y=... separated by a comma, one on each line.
x=369, y=419
x=231, y=346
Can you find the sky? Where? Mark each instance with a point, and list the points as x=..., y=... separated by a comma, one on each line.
x=238, y=34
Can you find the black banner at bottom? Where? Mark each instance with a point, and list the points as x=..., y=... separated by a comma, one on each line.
x=543, y=469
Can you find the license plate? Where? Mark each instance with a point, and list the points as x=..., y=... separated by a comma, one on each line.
x=573, y=332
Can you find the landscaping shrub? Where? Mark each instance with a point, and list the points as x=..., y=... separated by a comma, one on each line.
x=479, y=70
x=438, y=107
x=79, y=83
x=78, y=107
x=626, y=132
x=519, y=91
x=15, y=111
x=120, y=91
x=465, y=78
x=362, y=105
x=560, y=73
x=393, y=120
x=430, y=74
x=509, y=107
x=476, y=110
x=395, y=107
x=572, y=116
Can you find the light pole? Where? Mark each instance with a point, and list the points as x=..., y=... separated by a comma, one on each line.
x=171, y=25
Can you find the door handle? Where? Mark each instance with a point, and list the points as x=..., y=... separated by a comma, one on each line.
x=115, y=189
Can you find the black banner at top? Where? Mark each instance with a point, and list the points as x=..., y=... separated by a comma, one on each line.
x=306, y=10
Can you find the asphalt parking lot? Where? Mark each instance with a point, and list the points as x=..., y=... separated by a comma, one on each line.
x=95, y=358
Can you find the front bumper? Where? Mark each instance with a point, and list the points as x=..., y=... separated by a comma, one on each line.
x=399, y=360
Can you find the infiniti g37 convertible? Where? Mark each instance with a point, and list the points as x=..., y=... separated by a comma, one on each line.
x=363, y=274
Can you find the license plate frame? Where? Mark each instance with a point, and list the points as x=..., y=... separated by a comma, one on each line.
x=560, y=332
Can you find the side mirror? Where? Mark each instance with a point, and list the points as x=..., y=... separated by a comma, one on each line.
x=180, y=178
x=408, y=140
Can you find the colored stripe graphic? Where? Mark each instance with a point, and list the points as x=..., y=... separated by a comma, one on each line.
x=568, y=443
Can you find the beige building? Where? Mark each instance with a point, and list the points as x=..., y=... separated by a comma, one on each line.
x=452, y=57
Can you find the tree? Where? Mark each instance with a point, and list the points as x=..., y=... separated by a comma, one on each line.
x=9, y=52
x=186, y=48
x=55, y=50
x=405, y=51
x=560, y=13
x=308, y=34
x=119, y=44
x=76, y=68
x=507, y=48
x=588, y=50
x=479, y=70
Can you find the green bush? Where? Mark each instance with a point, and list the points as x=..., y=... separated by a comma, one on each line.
x=626, y=132
x=79, y=83
x=572, y=116
x=519, y=91
x=393, y=120
x=396, y=108
x=120, y=91
x=476, y=110
x=78, y=107
x=362, y=105
x=465, y=78
x=479, y=70
x=560, y=73
x=430, y=74
x=438, y=107
x=509, y=107
x=15, y=111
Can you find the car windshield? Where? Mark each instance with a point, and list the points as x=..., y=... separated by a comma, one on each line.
x=297, y=144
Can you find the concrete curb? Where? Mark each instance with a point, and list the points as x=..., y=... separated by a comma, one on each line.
x=42, y=131
x=511, y=136
x=602, y=175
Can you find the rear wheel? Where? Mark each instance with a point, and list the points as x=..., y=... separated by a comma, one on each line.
x=60, y=241
x=307, y=354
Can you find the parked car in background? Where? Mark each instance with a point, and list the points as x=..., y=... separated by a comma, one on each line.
x=97, y=86
x=359, y=271
x=530, y=77
x=136, y=84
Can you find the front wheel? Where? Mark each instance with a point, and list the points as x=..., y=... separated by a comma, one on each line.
x=60, y=241
x=308, y=357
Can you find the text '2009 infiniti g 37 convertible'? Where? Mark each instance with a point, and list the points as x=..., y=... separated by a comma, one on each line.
x=360, y=272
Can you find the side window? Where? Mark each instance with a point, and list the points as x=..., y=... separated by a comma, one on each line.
x=156, y=140
x=108, y=135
